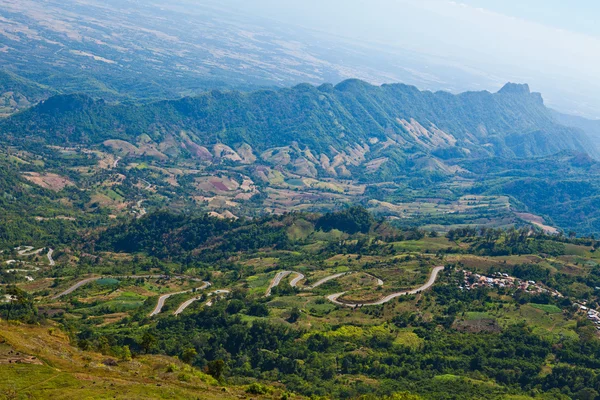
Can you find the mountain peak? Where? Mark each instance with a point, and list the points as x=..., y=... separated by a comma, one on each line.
x=352, y=84
x=515, y=88
x=66, y=102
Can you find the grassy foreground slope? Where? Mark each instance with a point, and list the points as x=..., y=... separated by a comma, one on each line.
x=38, y=362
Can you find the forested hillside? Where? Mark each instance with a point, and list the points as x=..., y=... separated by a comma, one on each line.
x=326, y=120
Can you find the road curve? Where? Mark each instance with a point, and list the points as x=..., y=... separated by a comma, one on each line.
x=432, y=278
x=50, y=259
x=28, y=251
x=75, y=287
x=379, y=281
x=294, y=282
x=88, y=280
x=161, y=302
x=162, y=299
x=189, y=302
x=329, y=278
x=276, y=281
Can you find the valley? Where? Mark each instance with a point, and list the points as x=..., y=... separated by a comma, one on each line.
x=288, y=200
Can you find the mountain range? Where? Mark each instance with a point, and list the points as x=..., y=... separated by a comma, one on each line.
x=433, y=159
x=326, y=130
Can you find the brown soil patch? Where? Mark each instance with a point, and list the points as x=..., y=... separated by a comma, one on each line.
x=48, y=181
x=477, y=326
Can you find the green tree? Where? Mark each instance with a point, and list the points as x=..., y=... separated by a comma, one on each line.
x=216, y=369
x=294, y=315
x=148, y=342
x=189, y=355
x=126, y=354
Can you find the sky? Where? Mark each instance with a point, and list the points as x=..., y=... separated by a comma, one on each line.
x=574, y=15
x=554, y=45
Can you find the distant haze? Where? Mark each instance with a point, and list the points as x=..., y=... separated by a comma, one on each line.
x=553, y=45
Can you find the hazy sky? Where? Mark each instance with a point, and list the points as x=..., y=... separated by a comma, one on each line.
x=552, y=44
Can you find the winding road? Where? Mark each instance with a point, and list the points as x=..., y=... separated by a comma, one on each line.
x=294, y=282
x=276, y=281
x=50, y=259
x=162, y=299
x=28, y=251
x=299, y=277
x=95, y=278
x=327, y=279
x=334, y=298
x=432, y=278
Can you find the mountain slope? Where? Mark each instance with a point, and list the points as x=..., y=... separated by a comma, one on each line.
x=362, y=121
x=590, y=127
x=18, y=93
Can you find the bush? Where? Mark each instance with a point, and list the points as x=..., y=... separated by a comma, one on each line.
x=257, y=388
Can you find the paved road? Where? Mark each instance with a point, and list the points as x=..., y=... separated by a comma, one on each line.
x=161, y=302
x=379, y=281
x=276, y=281
x=50, y=259
x=189, y=302
x=329, y=278
x=28, y=251
x=185, y=305
x=294, y=282
x=75, y=287
x=432, y=278
x=88, y=280
x=162, y=299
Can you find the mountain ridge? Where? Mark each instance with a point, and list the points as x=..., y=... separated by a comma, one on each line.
x=392, y=121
